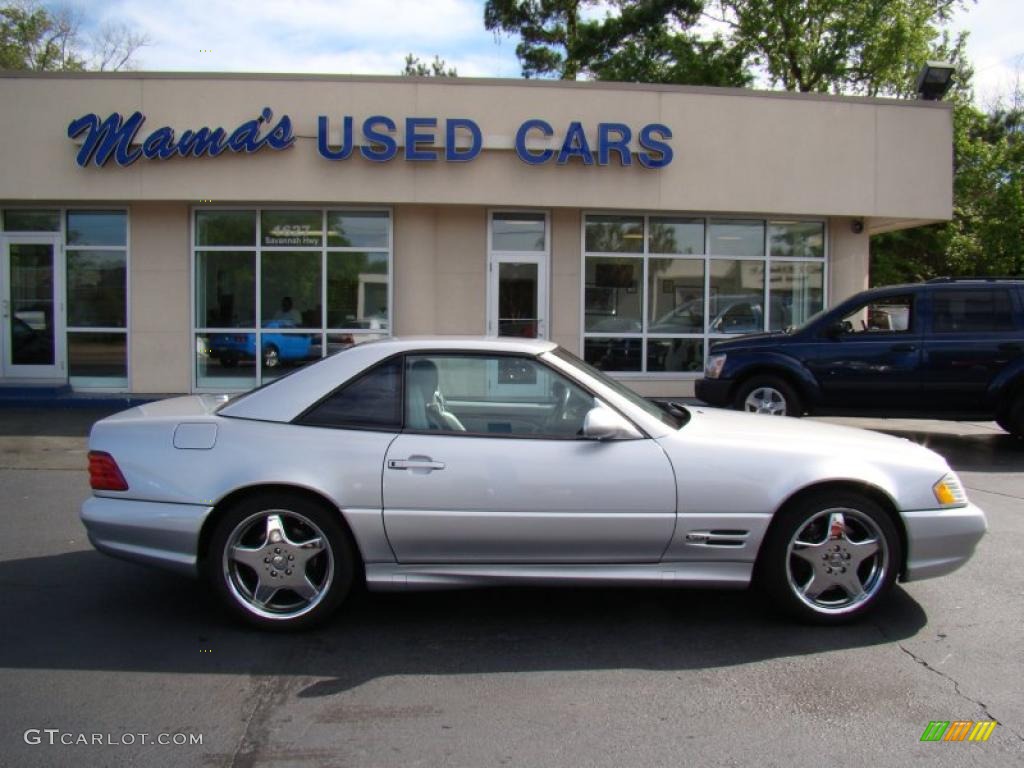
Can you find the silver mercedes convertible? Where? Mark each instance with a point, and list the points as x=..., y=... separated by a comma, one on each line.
x=436, y=463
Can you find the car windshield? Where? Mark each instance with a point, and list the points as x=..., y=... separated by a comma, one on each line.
x=672, y=415
x=809, y=321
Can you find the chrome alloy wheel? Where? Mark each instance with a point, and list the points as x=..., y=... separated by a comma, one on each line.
x=278, y=564
x=837, y=560
x=765, y=399
x=271, y=357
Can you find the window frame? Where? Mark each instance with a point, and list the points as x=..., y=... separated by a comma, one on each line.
x=321, y=332
x=706, y=336
x=98, y=384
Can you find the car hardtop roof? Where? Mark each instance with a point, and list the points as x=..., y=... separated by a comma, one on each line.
x=466, y=344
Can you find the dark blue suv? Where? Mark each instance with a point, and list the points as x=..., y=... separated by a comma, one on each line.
x=946, y=349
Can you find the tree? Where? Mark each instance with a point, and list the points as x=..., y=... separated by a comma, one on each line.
x=35, y=38
x=643, y=40
x=437, y=68
x=866, y=47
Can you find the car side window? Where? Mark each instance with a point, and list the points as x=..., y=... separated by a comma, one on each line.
x=497, y=395
x=972, y=311
x=891, y=314
x=372, y=401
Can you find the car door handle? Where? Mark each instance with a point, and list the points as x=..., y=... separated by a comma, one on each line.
x=1009, y=347
x=415, y=463
x=902, y=348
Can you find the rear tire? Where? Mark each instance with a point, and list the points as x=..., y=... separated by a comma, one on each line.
x=768, y=395
x=829, y=558
x=281, y=561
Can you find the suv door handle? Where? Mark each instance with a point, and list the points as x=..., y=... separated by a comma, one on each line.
x=1009, y=347
x=414, y=462
x=902, y=348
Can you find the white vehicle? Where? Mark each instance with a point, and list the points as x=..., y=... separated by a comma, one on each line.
x=430, y=463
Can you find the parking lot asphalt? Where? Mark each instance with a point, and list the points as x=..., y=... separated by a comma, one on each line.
x=90, y=645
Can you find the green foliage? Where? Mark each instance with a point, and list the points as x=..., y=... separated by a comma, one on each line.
x=644, y=40
x=437, y=68
x=867, y=47
x=31, y=38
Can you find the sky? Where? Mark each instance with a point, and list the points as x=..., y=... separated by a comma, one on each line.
x=374, y=36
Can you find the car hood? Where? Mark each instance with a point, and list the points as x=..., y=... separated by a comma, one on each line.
x=749, y=340
x=748, y=457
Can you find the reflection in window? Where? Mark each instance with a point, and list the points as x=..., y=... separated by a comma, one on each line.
x=317, y=294
x=357, y=229
x=97, y=228
x=21, y=220
x=518, y=232
x=737, y=237
x=675, y=295
x=610, y=354
x=737, y=297
x=797, y=291
x=290, y=289
x=99, y=356
x=615, y=234
x=225, y=289
x=226, y=228
x=357, y=290
x=613, y=299
x=675, y=355
x=96, y=289
x=674, y=235
x=803, y=239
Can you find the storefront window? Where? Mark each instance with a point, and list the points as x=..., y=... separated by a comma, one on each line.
x=674, y=235
x=31, y=221
x=736, y=237
x=614, y=234
x=316, y=294
x=96, y=279
x=657, y=307
x=518, y=232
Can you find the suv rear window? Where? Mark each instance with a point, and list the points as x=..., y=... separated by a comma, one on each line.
x=977, y=310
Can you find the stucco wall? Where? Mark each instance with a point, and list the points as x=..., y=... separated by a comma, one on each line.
x=734, y=150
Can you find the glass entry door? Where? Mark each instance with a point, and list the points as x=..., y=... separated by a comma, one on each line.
x=518, y=296
x=31, y=291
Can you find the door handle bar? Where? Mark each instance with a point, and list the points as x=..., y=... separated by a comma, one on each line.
x=415, y=464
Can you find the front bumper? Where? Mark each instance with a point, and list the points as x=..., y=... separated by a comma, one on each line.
x=713, y=391
x=941, y=540
x=155, y=533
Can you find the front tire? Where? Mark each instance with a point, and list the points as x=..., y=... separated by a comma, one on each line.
x=281, y=561
x=768, y=395
x=830, y=557
x=1011, y=418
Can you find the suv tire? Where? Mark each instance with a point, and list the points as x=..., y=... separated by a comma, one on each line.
x=770, y=395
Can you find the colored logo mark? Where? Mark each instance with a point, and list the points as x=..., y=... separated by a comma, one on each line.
x=958, y=730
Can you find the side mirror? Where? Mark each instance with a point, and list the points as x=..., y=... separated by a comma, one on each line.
x=835, y=330
x=602, y=423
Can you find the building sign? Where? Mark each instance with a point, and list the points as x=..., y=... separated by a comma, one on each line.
x=379, y=139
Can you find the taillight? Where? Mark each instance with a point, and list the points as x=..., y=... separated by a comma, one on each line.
x=104, y=474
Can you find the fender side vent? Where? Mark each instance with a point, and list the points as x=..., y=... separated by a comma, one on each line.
x=717, y=538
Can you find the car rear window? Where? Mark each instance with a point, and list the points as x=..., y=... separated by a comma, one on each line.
x=976, y=310
x=372, y=401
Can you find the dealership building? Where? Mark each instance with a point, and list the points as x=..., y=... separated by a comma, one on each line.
x=168, y=233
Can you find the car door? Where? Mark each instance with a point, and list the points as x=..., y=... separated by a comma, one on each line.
x=973, y=336
x=482, y=473
x=874, y=362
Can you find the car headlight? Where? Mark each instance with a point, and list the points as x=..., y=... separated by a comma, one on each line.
x=948, y=491
x=713, y=368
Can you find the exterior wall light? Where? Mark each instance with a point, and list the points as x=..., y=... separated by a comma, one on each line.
x=935, y=80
